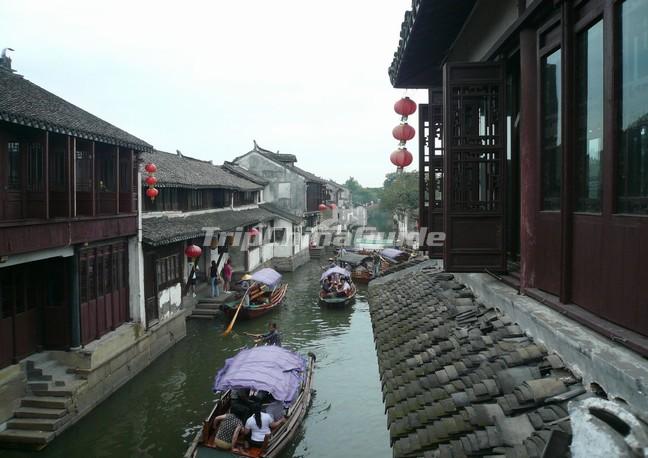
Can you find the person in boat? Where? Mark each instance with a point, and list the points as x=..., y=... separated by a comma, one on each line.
x=260, y=426
x=242, y=406
x=344, y=289
x=272, y=337
x=244, y=286
x=228, y=428
x=376, y=264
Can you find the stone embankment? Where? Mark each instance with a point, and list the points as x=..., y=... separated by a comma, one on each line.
x=459, y=378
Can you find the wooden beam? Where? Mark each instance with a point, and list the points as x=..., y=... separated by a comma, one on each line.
x=117, y=178
x=73, y=178
x=46, y=175
x=94, y=180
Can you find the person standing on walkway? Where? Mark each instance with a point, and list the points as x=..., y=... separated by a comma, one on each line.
x=214, y=279
x=227, y=273
x=193, y=276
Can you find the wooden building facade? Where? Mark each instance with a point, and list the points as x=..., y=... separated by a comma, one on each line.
x=68, y=205
x=533, y=150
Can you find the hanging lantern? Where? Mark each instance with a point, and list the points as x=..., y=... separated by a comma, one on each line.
x=405, y=106
x=152, y=193
x=151, y=180
x=253, y=232
x=193, y=252
x=401, y=158
x=332, y=206
x=150, y=167
x=403, y=132
x=322, y=207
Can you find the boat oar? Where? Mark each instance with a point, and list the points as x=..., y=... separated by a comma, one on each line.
x=238, y=309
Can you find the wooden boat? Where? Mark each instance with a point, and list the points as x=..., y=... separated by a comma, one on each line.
x=360, y=265
x=266, y=294
x=202, y=446
x=338, y=301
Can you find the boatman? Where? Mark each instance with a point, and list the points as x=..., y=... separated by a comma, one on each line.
x=272, y=337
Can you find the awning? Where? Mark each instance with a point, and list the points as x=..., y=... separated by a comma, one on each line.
x=267, y=276
x=269, y=368
x=335, y=270
x=353, y=258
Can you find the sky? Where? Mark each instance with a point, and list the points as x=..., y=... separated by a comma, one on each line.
x=207, y=78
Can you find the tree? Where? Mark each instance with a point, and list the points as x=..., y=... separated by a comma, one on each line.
x=401, y=192
x=361, y=195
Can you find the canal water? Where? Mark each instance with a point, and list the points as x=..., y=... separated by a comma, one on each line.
x=158, y=413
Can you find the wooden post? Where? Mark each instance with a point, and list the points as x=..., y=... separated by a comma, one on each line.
x=94, y=181
x=529, y=157
x=117, y=179
x=73, y=178
x=46, y=175
x=567, y=187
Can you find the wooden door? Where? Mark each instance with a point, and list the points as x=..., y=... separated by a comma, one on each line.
x=474, y=167
x=150, y=289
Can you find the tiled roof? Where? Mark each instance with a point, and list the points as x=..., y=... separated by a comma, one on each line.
x=285, y=214
x=163, y=230
x=23, y=102
x=460, y=379
x=176, y=170
x=283, y=160
x=428, y=29
x=244, y=173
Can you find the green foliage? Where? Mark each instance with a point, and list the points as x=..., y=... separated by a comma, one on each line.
x=361, y=195
x=401, y=192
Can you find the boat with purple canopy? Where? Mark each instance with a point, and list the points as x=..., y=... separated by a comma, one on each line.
x=285, y=375
x=266, y=293
x=336, y=295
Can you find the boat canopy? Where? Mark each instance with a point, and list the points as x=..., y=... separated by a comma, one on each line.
x=267, y=276
x=269, y=368
x=353, y=258
x=393, y=253
x=335, y=270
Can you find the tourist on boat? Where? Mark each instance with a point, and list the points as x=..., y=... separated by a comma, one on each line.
x=227, y=427
x=260, y=426
x=227, y=274
x=376, y=264
x=214, y=278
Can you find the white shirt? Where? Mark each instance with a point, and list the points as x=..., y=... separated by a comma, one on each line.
x=258, y=434
x=346, y=287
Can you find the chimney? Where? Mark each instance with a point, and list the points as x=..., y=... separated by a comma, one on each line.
x=5, y=60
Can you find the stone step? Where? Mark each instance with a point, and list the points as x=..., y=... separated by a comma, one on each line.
x=37, y=439
x=35, y=424
x=38, y=385
x=38, y=376
x=36, y=412
x=46, y=402
x=54, y=391
x=201, y=311
x=202, y=317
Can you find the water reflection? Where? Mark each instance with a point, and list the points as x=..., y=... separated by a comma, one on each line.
x=158, y=413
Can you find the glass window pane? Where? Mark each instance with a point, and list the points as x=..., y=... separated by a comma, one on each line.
x=551, y=131
x=633, y=154
x=589, y=118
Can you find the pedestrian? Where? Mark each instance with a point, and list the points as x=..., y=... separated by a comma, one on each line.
x=244, y=285
x=376, y=264
x=214, y=278
x=227, y=273
x=193, y=277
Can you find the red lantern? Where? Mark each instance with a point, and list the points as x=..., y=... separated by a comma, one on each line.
x=253, y=232
x=405, y=106
x=322, y=207
x=193, y=251
x=401, y=158
x=152, y=193
x=150, y=167
x=403, y=132
x=150, y=181
x=332, y=206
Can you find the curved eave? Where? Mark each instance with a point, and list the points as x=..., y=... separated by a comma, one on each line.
x=37, y=124
x=428, y=31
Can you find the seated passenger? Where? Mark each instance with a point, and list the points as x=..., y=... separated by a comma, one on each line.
x=228, y=428
x=260, y=426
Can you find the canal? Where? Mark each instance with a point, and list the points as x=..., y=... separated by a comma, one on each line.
x=158, y=413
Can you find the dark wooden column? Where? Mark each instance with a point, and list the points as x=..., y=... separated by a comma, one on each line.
x=567, y=188
x=46, y=175
x=94, y=180
x=529, y=157
x=117, y=190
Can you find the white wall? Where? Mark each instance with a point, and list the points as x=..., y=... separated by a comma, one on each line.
x=284, y=249
x=169, y=300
